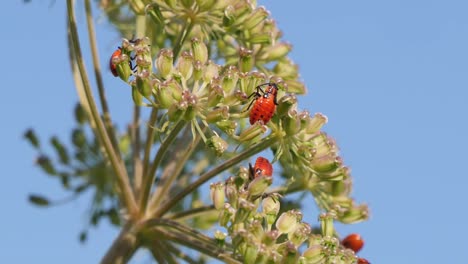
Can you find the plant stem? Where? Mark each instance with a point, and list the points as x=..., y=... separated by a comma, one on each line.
x=123, y=247
x=181, y=39
x=149, y=138
x=126, y=193
x=149, y=177
x=97, y=72
x=215, y=171
x=167, y=179
x=192, y=212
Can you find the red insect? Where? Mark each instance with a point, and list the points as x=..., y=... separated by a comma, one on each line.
x=264, y=103
x=362, y=261
x=354, y=242
x=112, y=66
x=262, y=167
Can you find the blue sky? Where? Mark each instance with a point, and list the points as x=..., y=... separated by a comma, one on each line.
x=390, y=75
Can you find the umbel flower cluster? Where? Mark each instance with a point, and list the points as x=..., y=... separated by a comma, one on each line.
x=211, y=87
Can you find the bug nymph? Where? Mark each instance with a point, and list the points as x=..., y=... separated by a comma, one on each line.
x=262, y=167
x=264, y=103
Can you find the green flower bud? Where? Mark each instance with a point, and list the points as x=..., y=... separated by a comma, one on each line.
x=261, y=38
x=250, y=253
x=226, y=215
x=167, y=93
x=217, y=195
x=316, y=123
x=143, y=84
x=276, y=51
x=216, y=95
x=286, y=69
x=228, y=126
x=218, y=114
x=231, y=192
x=198, y=68
x=230, y=79
x=296, y=87
x=164, y=62
x=326, y=223
x=314, y=254
x=259, y=185
x=244, y=211
x=341, y=188
x=229, y=16
x=220, y=4
x=291, y=123
x=355, y=214
x=185, y=65
x=218, y=144
x=337, y=175
x=270, y=207
x=241, y=12
x=176, y=111
x=243, y=174
x=211, y=71
x=60, y=149
x=122, y=66
x=288, y=220
x=285, y=104
x=255, y=228
x=326, y=163
x=270, y=237
x=220, y=238
x=235, y=98
x=138, y=6
x=289, y=252
x=300, y=234
x=136, y=95
x=246, y=61
x=253, y=132
x=171, y=3
x=200, y=51
x=257, y=16
x=38, y=200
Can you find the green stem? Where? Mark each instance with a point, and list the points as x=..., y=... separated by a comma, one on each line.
x=149, y=177
x=181, y=39
x=178, y=253
x=126, y=193
x=148, y=144
x=167, y=179
x=135, y=136
x=215, y=171
x=192, y=212
x=97, y=72
x=123, y=247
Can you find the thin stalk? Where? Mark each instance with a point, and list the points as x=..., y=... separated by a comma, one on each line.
x=167, y=253
x=155, y=250
x=187, y=28
x=215, y=171
x=185, y=230
x=126, y=193
x=192, y=212
x=214, y=252
x=149, y=139
x=180, y=159
x=135, y=136
x=123, y=247
x=178, y=253
x=97, y=73
x=149, y=177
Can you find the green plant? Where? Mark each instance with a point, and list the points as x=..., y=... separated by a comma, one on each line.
x=190, y=125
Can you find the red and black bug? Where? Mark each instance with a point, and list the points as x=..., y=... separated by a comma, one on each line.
x=262, y=167
x=362, y=261
x=353, y=241
x=264, y=103
x=112, y=66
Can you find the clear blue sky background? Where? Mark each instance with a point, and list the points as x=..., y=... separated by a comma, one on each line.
x=392, y=77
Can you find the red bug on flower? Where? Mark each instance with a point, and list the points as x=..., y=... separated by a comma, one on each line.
x=112, y=66
x=264, y=103
x=262, y=167
x=362, y=261
x=353, y=241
